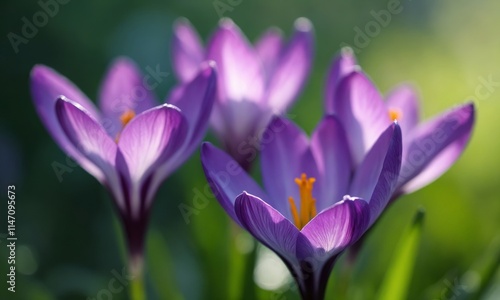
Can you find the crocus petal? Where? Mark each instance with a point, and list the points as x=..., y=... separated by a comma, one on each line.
x=93, y=143
x=226, y=178
x=195, y=100
x=124, y=88
x=334, y=229
x=238, y=125
x=434, y=146
x=404, y=101
x=285, y=156
x=332, y=155
x=187, y=50
x=147, y=142
x=292, y=69
x=46, y=87
x=343, y=65
x=236, y=120
x=362, y=112
x=269, y=47
x=376, y=177
x=267, y=225
x=241, y=75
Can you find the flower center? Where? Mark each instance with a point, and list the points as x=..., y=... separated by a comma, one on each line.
x=395, y=114
x=126, y=117
x=307, y=202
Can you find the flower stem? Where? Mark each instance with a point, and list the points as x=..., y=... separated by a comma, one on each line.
x=137, y=290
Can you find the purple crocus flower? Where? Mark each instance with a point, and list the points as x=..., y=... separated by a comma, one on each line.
x=429, y=148
x=315, y=203
x=254, y=82
x=132, y=144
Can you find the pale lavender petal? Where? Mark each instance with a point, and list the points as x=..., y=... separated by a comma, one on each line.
x=360, y=108
x=235, y=121
x=343, y=64
x=438, y=166
x=404, y=101
x=331, y=152
x=285, y=156
x=93, y=143
x=195, y=100
x=334, y=229
x=376, y=177
x=226, y=178
x=150, y=139
x=434, y=146
x=267, y=225
x=124, y=88
x=238, y=125
x=187, y=50
x=46, y=87
x=269, y=47
x=240, y=72
x=292, y=69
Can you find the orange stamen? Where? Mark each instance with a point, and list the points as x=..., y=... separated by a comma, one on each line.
x=307, y=202
x=395, y=114
x=295, y=212
x=126, y=117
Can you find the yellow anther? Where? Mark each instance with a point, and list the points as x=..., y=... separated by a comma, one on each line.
x=295, y=212
x=307, y=202
x=395, y=114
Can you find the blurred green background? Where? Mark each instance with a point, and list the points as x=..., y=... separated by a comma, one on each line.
x=69, y=244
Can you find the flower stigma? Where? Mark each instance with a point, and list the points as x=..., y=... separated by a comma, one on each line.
x=307, y=202
x=395, y=114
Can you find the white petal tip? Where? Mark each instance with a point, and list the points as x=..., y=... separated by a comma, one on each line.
x=357, y=68
x=275, y=30
x=226, y=23
x=303, y=24
x=181, y=21
x=169, y=106
x=347, y=197
x=346, y=51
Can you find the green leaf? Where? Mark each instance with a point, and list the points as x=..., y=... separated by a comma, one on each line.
x=398, y=276
x=160, y=266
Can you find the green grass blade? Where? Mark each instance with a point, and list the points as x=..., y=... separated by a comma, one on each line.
x=397, y=280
